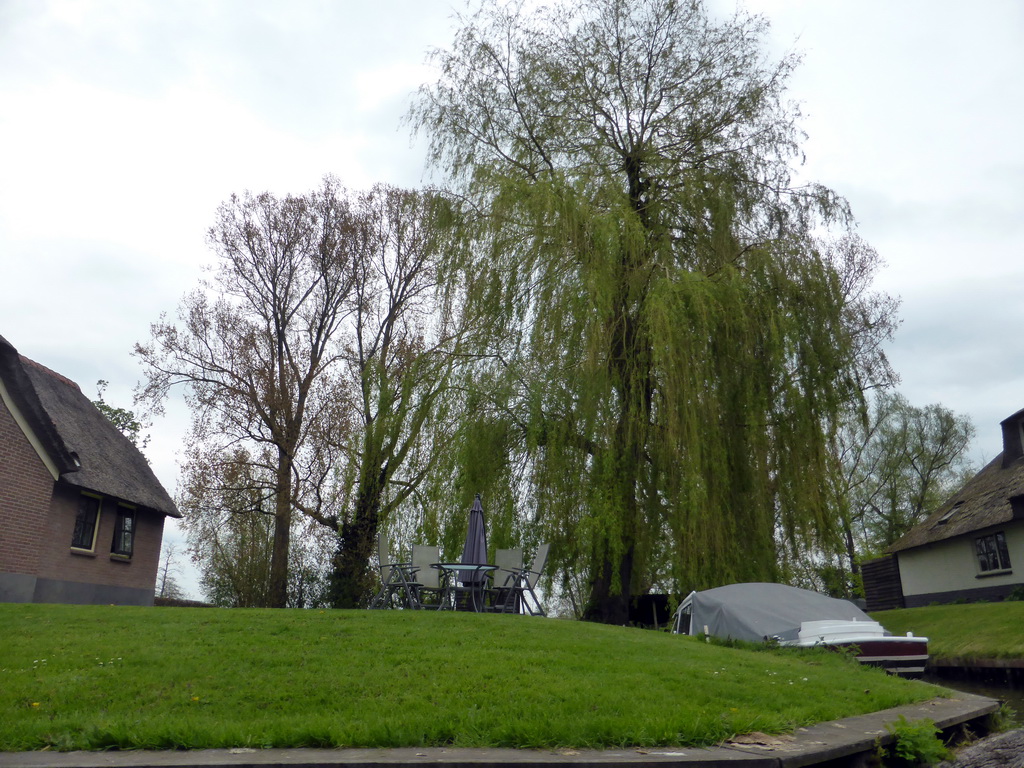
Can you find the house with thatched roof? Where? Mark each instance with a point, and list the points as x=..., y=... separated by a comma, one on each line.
x=970, y=548
x=81, y=512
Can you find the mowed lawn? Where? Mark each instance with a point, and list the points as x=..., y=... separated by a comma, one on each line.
x=975, y=631
x=99, y=677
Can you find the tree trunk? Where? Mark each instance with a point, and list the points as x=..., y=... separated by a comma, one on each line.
x=352, y=584
x=851, y=549
x=611, y=589
x=282, y=534
x=608, y=605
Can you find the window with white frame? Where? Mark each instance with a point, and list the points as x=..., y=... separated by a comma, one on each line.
x=992, y=552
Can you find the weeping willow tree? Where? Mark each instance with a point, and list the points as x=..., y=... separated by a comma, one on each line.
x=657, y=323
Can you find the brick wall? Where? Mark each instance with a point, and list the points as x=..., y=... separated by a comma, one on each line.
x=59, y=562
x=37, y=520
x=26, y=487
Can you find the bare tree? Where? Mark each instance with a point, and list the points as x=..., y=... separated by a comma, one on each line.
x=312, y=363
x=167, y=586
x=257, y=348
x=397, y=366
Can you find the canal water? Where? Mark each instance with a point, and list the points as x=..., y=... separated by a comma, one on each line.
x=1011, y=693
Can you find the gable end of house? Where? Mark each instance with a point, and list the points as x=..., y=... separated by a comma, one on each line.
x=81, y=509
x=972, y=546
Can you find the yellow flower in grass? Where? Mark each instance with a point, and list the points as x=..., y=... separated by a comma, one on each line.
x=34, y=704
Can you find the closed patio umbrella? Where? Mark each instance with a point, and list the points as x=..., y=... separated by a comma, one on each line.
x=475, y=550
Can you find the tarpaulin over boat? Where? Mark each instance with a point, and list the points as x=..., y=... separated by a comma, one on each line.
x=760, y=611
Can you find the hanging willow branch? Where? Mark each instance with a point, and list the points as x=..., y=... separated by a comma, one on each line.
x=675, y=342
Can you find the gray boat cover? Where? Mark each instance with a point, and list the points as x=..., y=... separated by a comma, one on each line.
x=758, y=611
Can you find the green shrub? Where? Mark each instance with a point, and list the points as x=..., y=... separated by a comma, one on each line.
x=1016, y=594
x=916, y=742
x=1003, y=719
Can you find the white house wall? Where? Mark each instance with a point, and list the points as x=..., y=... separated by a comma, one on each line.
x=948, y=570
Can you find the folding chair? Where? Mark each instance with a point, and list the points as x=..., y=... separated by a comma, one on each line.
x=509, y=562
x=398, y=589
x=526, y=579
x=428, y=580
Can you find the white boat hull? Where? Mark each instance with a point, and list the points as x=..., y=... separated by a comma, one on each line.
x=904, y=656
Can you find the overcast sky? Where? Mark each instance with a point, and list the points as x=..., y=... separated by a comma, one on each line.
x=124, y=123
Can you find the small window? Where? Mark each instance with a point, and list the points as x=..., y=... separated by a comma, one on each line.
x=86, y=523
x=124, y=532
x=952, y=511
x=992, y=553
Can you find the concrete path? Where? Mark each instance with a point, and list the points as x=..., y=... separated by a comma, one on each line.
x=805, y=747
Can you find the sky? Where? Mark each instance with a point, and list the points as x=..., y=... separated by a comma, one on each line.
x=125, y=123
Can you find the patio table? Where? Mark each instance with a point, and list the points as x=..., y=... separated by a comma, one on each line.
x=476, y=588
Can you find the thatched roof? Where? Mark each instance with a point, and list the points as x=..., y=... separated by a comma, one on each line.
x=989, y=498
x=90, y=453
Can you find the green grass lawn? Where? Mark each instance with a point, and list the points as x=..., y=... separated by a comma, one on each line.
x=975, y=631
x=97, y=677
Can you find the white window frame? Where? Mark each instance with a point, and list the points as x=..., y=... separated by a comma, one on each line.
x=1001, y=567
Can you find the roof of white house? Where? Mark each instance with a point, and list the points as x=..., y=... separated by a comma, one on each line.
x=994, y=496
